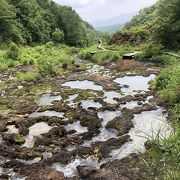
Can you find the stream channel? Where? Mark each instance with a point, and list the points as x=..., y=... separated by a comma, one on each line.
x=122, y=128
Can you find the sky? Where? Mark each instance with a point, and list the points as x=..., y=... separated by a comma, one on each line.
x=91, y=10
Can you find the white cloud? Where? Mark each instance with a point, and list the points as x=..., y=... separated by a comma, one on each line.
x=91, y=10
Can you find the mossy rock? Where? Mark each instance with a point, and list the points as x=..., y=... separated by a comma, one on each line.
x=18, y=140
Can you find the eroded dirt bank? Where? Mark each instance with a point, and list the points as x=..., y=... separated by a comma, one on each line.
x=91, y=124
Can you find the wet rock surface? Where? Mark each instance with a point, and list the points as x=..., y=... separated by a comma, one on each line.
x=120, y=169
x=104, y=148
x=47, y=174
x=76, y=123
x=122, y=124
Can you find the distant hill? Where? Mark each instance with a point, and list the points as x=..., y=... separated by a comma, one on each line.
x=110, y=29
x=159, y=22
x=138, y=29
x=121, y=19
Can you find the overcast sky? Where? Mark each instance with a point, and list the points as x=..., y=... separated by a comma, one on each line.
x=91, y=10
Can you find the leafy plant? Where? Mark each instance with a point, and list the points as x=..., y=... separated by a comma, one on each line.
x=13, y=52
x=58, y=36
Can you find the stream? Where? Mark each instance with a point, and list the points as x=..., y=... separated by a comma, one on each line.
x=144, y=124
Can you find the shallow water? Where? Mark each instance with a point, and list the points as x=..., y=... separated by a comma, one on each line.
x=70, y=169
x=104, y=134
x=71, y=99
x=12, y=129
x=146, y=126
x=90, y=103
x=130, y=105
x=46, y=113
x=108, y=116
x=47, y=99
x=96, y=69
x=110, y=95
x=135, y=83
x=36, y=130
x=84, y=85
x=77, y=127
x=148, y=98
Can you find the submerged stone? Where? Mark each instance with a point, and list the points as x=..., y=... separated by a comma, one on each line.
x=84, y=85
x=36, y=130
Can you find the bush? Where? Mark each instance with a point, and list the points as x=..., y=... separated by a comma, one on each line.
x=167, y=77
x=165, y=59
x=29, y=76
x=168, y=82
x=88, y=56
x=46, y=69
x=58, y=36
x=13, y=52
x=113, y=53
x=149, y=53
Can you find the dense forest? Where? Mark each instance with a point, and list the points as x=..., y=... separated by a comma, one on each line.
x=39, y=21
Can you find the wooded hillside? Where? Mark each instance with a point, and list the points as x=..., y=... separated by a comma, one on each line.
x=38, y=21
x=160, y=22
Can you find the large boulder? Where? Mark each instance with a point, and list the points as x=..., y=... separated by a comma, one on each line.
x=56, y=132
x=122, y=124
x=61, y=157
x=124, y=169
x=86, y=171
x=103, y=148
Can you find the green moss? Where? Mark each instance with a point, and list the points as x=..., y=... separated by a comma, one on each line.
x=18, y=140
x=29, y=76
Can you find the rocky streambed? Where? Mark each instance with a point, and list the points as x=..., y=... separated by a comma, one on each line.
x=91, y=124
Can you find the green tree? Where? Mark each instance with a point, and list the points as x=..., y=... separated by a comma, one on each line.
x=58, y=36
x=34, y=21
x=6, y=11
x=13, y=52
x=167, y=28
x=10, y=28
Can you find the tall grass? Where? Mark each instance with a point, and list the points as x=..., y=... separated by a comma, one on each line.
x=111, y=53
x=163, y=155
x=166, y=153
x=46, y=58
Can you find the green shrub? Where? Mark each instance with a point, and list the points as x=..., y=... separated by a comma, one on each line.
x=29, y=76
x=168, y=83
x=168, y=77
x=98, y=57
x=88, y=56
x=48, y=58
x=164, y=59
x=115, y=57
x=50, y=44
x=58, y=36
x=46, y=69
x=73, y=50
x=13, y=52
x=170, y=96
x=3, y=66
x=150, y=51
